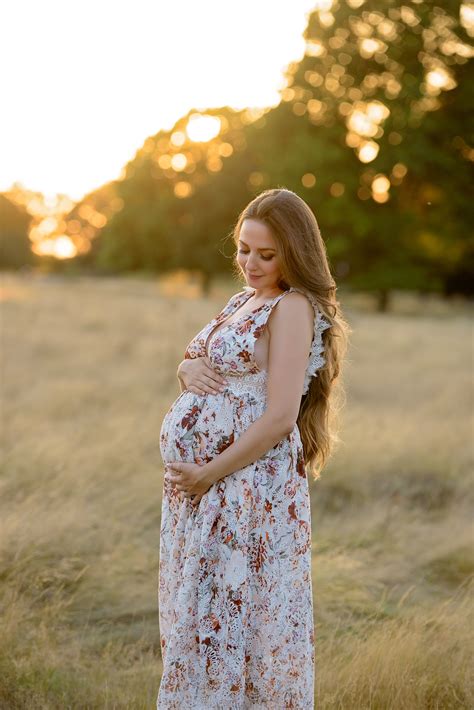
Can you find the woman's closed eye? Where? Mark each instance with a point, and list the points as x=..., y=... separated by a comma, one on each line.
x=265, y=258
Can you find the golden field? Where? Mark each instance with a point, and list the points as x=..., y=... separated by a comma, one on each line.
x=89, y=370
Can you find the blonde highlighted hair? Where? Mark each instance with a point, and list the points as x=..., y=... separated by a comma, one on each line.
x=303, y=263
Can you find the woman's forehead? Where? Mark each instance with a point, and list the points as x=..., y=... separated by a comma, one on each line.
x=256, y=234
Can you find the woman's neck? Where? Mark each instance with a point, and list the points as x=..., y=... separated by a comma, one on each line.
x=265, y=294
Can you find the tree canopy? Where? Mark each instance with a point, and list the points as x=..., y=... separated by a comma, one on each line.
x=373, y=130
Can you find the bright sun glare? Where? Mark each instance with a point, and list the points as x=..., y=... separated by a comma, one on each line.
x=203, y=128
x=98, y=78
x=104, y=94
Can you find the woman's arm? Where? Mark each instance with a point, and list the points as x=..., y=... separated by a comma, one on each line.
x=291, y=327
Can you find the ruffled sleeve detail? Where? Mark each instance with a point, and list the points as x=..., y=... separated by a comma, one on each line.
x=316, y=357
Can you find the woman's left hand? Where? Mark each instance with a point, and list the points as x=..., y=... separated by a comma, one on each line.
x=190, y=478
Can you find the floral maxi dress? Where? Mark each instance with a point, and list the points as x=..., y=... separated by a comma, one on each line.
x=234, y=589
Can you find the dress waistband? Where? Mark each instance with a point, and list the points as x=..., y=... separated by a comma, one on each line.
x=254, y=383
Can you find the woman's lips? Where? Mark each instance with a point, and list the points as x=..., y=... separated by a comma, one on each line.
x=252, y=276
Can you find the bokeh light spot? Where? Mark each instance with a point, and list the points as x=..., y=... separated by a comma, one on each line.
x=380, y=187
x=337, y=189
x=178, y=138
x=178, y=161
x=183, y=189
x=308, y=180
x=201, y=128
x=368, y=151
x=255, y=179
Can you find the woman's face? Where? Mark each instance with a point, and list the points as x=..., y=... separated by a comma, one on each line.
x=257, y=255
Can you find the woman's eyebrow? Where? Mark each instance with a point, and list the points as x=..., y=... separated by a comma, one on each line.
x=261, y=249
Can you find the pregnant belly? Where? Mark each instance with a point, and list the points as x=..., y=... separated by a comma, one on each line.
x=197, y=428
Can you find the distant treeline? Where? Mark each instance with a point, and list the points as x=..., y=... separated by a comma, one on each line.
x=374, y=131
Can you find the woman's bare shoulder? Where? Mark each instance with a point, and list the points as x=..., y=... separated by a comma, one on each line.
x=294, y=304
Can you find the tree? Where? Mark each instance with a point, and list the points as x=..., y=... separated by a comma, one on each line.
x=15, y=249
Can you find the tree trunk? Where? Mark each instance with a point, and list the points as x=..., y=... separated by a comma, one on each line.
x=206, y=283
x=383, y=300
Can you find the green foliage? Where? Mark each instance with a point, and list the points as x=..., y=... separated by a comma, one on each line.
x=14, y=242
x=372, y=131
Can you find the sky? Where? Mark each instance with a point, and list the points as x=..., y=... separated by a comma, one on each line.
x=85, y=83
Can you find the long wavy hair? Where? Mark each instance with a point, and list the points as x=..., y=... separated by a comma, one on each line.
x=304, y=264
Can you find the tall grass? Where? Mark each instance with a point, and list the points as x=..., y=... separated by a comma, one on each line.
x=89, y=371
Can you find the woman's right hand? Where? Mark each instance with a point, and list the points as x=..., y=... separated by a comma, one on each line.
x=199, y=377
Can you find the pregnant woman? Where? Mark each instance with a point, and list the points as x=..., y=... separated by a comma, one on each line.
x=252, y=420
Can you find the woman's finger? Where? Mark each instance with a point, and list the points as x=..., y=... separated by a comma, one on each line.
x=195, y=390
x=214, y=383
x=214, y=379
x=208, y=383
x=214, y=376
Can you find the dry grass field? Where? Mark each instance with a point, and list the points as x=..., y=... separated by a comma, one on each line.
x=88, y=373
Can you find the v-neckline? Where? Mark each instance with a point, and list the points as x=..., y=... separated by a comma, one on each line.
x=218, y=320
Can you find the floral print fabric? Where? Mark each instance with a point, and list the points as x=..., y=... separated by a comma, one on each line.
x=235, y=590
